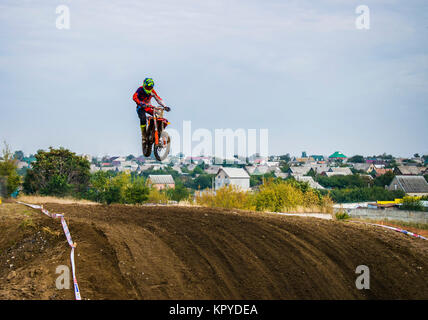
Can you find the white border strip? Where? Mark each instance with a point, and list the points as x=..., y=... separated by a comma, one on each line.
x=392, y=228
x=69, y=240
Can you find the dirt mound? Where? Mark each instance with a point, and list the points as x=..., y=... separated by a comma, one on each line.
x=159, y=252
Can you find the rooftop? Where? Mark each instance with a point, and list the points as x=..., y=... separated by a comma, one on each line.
x=161, y=179
x=410, y=184
x=235, y=172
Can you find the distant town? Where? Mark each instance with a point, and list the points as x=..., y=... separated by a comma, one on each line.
x=407, y=174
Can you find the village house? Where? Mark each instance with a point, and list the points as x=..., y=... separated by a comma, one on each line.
x=312, y=183
x=213, y=169
x=381, y=171
x=161, y=181
x=250, y=169
x=282, y=175
x=198, y=160
x=232, y=176
x=318, y=169
x=191, y=167
x=365, y=167
x=94, y=168
x=337, y=156
x=344, y=171
x=367, y=177
x=411, y=185
x=177, y=168
x=22, y=164
x=298, y=171
x=272, y=164
x=318, y=158
x=407, y=171
x=261, y=170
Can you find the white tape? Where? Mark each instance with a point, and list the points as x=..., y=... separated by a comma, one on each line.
x=69, y=240
x=393, y=228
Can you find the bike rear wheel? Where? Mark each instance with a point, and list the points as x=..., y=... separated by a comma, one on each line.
x=161, y=150
x=147, y=148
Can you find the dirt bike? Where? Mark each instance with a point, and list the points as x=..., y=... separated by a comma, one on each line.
x=156, y=135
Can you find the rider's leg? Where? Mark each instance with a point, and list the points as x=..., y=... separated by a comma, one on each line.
x=142, y=115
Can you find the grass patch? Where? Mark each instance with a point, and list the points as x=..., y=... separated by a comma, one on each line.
x=342, y=215
x=27, y=223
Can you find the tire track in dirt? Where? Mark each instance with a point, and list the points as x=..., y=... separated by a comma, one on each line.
x=134, y=252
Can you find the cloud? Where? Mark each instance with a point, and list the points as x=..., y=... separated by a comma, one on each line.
x=298, y=68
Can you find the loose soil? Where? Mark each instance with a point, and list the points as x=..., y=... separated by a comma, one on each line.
x=176, y=252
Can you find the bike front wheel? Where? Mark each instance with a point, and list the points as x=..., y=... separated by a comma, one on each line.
x=147, y=148
x=161, y=150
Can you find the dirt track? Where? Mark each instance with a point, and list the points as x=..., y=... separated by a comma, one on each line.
x=127, y=252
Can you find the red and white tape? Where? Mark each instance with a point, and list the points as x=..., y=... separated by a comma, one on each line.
x=70, y=242
x=393, y=228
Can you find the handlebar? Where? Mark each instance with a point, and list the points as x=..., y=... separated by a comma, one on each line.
x=158, y=108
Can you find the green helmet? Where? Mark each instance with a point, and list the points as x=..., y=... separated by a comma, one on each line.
x=148, y=85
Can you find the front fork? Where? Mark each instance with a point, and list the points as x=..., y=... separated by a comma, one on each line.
x=156, y=131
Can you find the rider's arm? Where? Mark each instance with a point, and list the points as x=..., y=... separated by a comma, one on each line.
x=158, y=99
x=135, y=97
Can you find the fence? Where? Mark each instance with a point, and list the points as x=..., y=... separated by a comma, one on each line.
x=389, y=214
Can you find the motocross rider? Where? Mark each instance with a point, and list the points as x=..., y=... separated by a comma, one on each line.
x=142, y=98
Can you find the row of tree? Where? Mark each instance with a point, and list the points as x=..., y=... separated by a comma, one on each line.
x=354, y=181
x=60, y=172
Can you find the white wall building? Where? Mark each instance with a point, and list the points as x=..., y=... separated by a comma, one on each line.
x=232, y=176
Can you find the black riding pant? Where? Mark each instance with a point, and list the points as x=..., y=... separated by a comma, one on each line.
x=142, y=115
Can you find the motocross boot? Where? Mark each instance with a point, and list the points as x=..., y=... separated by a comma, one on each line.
x=143, y=133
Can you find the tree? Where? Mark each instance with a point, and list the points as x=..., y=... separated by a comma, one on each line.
x=256, y=180
x=197, y=170
x=178, y=193
x=9, y=177
x=384, y=180
x=356, y=159
x=136, y=191
x=18, y=155
x=364, y=194
x=284, y=166
x=57, y=172
x=203, y=181
x=285, y=157
x=341, y=182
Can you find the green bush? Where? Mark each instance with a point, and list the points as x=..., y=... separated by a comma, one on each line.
x=384, y=180
x=342, y=215
x=113, y=194
x=109, y=187
x=230, y=197
x=412, y=203
x=136, y=191
x=157, y=196
x=364, y=194
x=341, y=182
x=275, y=195
x=179, y=193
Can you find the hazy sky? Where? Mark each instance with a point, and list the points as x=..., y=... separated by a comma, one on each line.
x=299, y=68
